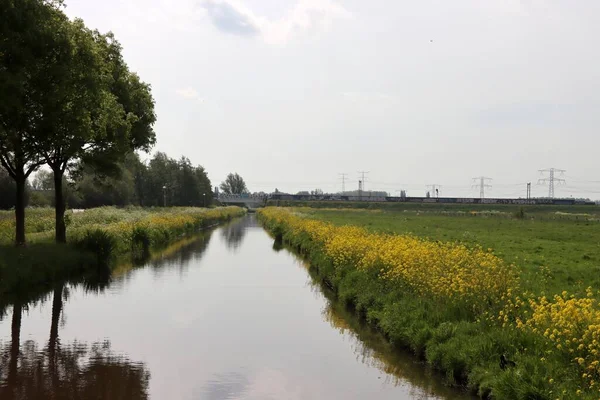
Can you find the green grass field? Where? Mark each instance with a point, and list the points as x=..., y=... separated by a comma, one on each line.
x=556, y=249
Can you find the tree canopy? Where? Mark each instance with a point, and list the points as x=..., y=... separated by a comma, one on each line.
x=233, y=184
x=132, y=182
x=33, y=40
x=66, y=95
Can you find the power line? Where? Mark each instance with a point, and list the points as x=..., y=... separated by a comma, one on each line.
x=343, y=175
x=551, y=179
x=435, y=189
x=482, y=185
x=362, y=181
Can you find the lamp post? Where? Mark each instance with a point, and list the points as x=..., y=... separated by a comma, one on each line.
x=165, y=195
x=204, y=199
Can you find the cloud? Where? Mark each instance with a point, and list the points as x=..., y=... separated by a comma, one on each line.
x=231, y=19
x=188, y=93
x=307, y=15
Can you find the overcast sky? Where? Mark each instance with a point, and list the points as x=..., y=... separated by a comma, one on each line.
x=289, y=93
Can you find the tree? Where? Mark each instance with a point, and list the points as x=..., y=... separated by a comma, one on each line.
x=97, y=190
x=184, y=184
x=95, y=110
x=43, y=180
x=204, y=185
x=234, y=184
x=29, y=49
x=65, y=95
x=160, y=173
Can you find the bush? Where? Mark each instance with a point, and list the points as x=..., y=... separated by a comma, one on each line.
x=98, y=242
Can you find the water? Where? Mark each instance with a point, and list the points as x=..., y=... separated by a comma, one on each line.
x=225, y=316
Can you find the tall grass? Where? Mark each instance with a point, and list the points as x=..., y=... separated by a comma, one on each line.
x=137, y=230
x=127, y=226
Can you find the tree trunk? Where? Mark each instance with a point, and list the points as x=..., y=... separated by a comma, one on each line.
x=53, y=342
x=56, y=310
x=15, y=338
x=20, y=210
x=59, y=207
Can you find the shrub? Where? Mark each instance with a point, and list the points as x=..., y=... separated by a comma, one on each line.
x=99, y=242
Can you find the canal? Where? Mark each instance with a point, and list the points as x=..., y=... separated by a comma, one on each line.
x=227, y=315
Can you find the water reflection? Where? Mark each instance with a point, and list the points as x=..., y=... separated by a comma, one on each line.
x=78, y=370
x=225, y=386
x=66, y=371
x=234, y=232
x=278, y=245
x=373, y=349
x=180, y=254
x=95, y=280
x=241, y=324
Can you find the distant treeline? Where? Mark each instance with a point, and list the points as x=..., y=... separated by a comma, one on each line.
x=162, y=180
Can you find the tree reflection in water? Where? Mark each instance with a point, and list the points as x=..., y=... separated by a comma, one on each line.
x=181, y=253
x=234, y=232
x=77, y=370
x=66, y=371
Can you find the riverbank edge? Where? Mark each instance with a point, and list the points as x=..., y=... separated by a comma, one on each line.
x=466, y=352
x=40, y=266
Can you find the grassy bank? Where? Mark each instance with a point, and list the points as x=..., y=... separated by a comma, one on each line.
x=462, y=308
x=95, y=237
x=553, y=254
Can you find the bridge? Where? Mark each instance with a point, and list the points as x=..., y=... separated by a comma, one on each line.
x=246, y=200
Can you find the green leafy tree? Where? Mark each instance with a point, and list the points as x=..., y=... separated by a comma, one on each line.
x=204, y=185
x=174, y=182
x=233, y=184
x=102, y=113
x=96, y=190
x=160, y=181
x=31, y=40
